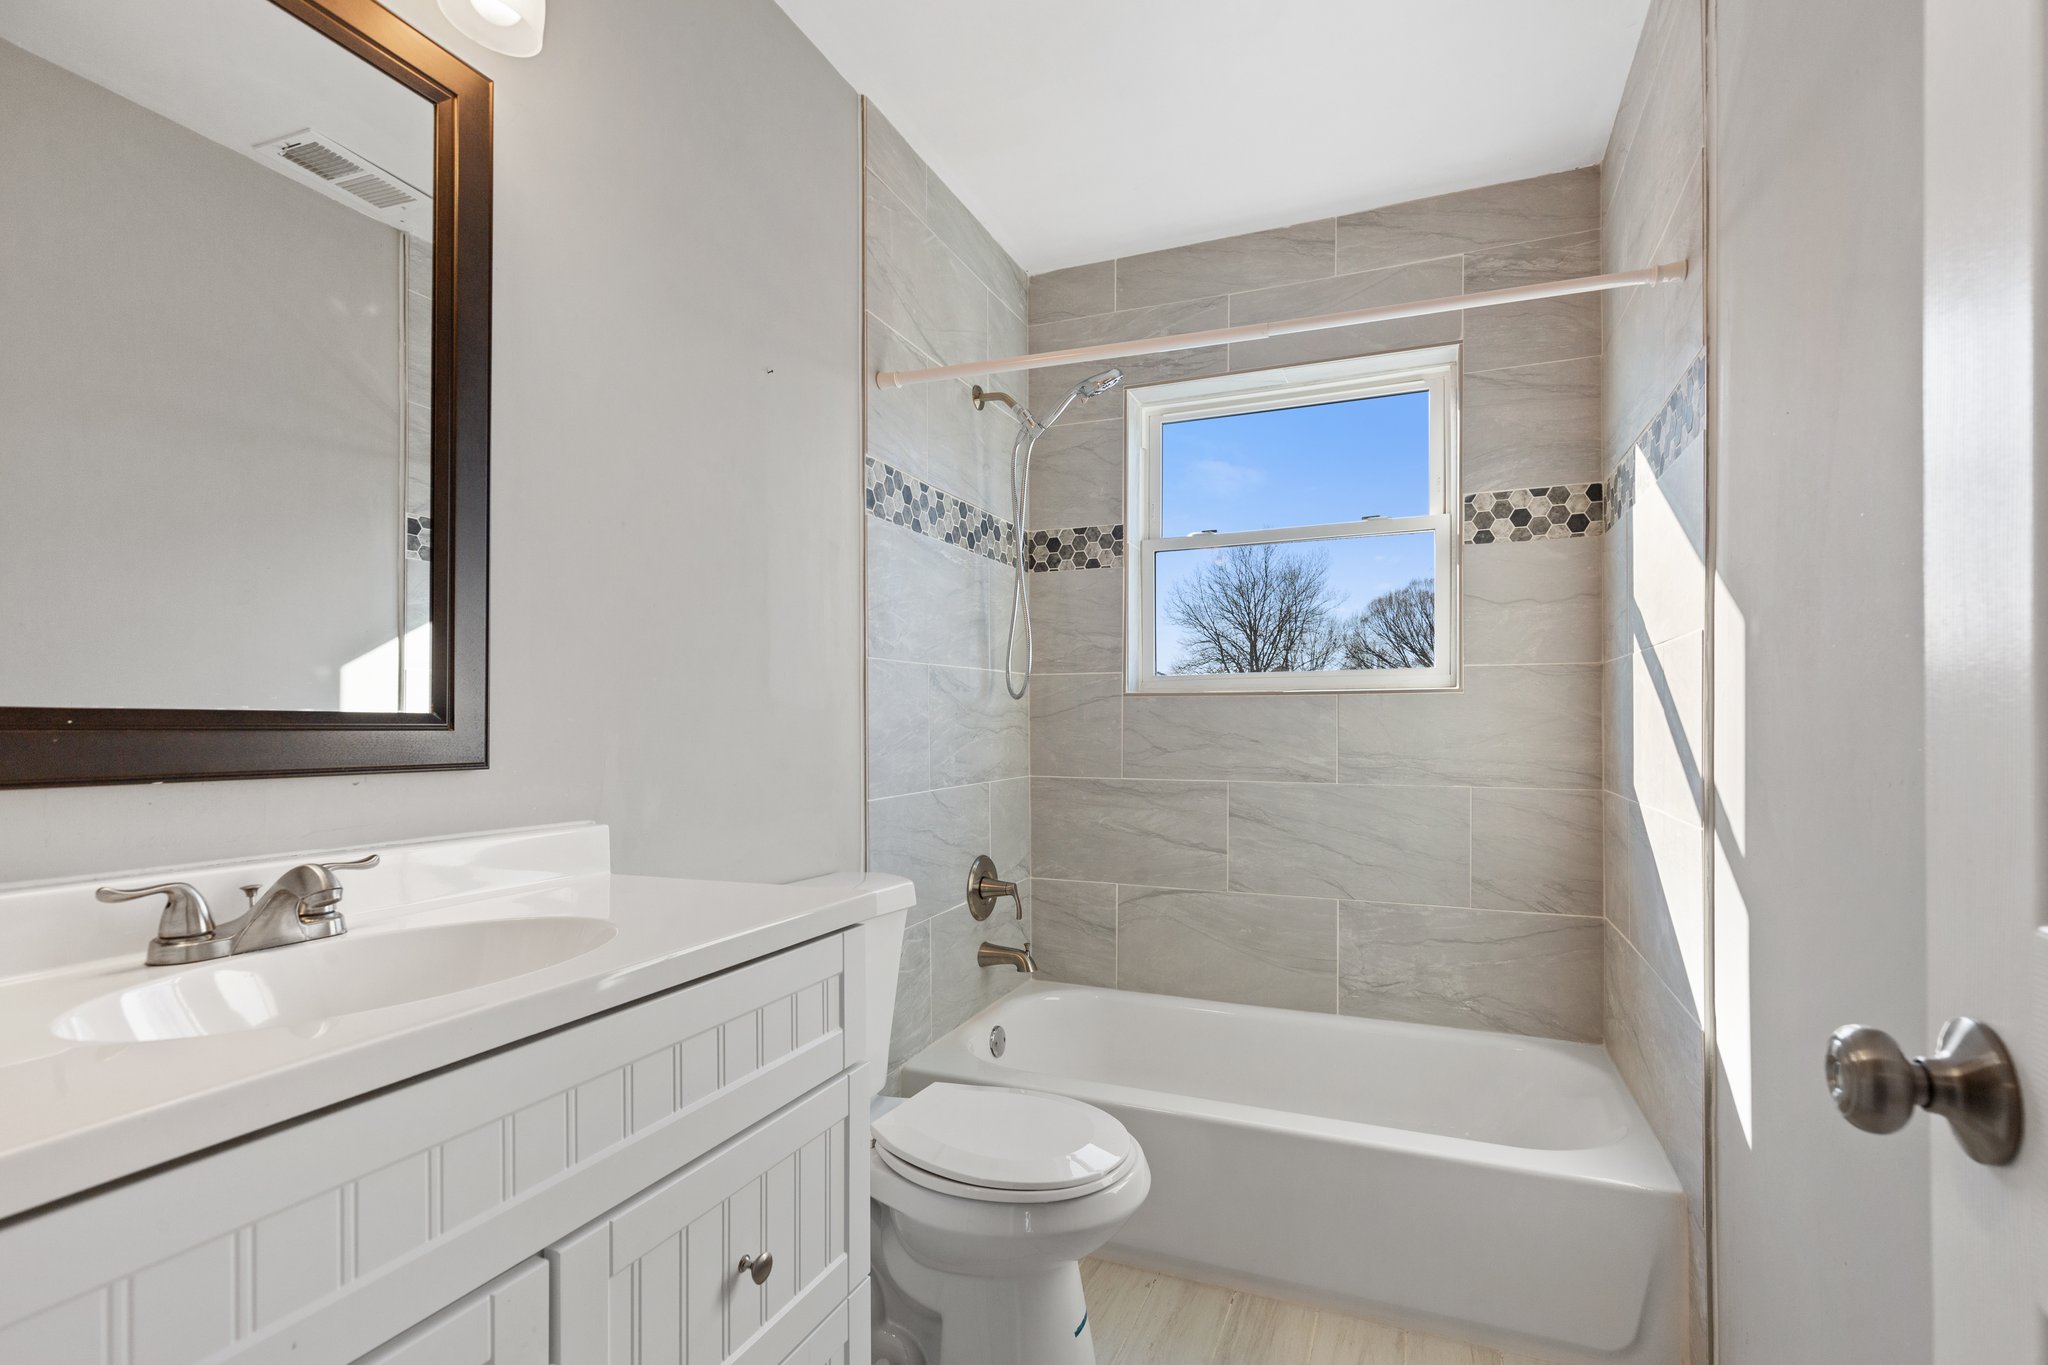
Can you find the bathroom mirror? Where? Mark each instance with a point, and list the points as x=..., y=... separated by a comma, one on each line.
x=245, y=299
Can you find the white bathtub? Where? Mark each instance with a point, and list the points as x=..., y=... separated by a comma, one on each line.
x=1501, y=1189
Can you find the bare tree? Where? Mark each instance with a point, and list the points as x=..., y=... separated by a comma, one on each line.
x=1396, y=630
x=1257, y=609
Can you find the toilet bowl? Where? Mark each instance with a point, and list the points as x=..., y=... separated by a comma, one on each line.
x=983, y=1203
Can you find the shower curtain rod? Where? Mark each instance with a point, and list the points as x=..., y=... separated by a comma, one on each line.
x=1258, y=331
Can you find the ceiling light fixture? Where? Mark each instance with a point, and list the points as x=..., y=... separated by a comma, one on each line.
x=512, y=27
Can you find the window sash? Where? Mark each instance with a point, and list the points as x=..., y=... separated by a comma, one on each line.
x=1148, y=410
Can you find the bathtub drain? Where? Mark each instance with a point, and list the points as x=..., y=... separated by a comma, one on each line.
x=997, y=1041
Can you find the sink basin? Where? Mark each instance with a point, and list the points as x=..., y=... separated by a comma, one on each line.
x=306, y=984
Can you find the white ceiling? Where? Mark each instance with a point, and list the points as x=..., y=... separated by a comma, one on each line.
x=1077, y=130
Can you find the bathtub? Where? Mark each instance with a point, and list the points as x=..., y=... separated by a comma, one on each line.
x=1499, y=1189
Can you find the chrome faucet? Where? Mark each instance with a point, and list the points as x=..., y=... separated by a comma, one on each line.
x=1003, y=955
x=298, y=907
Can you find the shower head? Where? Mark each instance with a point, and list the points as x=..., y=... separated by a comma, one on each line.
x=1095, y=385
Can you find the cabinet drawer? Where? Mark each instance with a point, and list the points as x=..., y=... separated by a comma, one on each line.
x=504, y=1323
x=318, y=1241
x=657, y=1280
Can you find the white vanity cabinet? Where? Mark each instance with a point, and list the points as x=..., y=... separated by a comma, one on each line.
x=581, y=1198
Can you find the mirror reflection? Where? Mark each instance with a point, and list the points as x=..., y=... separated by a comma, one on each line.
x=217, y=285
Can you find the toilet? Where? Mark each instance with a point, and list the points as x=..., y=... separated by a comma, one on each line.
x=982, y=1203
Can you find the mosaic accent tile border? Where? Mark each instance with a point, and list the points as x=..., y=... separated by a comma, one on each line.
x=1074, y=547
x=1562, y=511
x=419, y=538
x=1677, y=425
x=897, y=498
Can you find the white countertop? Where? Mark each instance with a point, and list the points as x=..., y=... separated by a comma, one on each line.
x=77, y=1114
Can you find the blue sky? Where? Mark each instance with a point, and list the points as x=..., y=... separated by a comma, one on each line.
x=1332, y=462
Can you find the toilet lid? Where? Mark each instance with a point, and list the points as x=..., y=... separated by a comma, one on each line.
x=1004, y=1139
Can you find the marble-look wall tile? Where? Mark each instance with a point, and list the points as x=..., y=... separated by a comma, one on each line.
x=1657, y=1046
x=930, y=837
x=1009, y=837
x=1532, y=333
x=1534, y=603
x=920, y=289
x=896, y=417
x=1228, y=265
x=967, y=453
x=1049, y=386
x=1408, y=844
x=1149, y=833
x=1657, y=134
x=1077, y=292
x=1409, y=283
x=1077, y=475
x=899, y=728
x=1534, y=424
x=1250, y=950
x=1536, y=851
x=1077, y=724
x=1245, y=738
x=978, y=733
x=1653, y=334
x=1510, y=726
x=1668, y=557
x=890, y=159
x=927, y=602
x=1654, y=725
x=1078, y=622
x=1470, y=220
x=963, y=234
x=1073, y=932
x=1656, y=894
x=960, y=985
x=911, y=1026
x=1483, y=969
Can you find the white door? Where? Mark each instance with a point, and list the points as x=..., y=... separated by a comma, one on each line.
x=1986, y=628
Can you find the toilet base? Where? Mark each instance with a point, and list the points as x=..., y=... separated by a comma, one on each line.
x=954, y=1319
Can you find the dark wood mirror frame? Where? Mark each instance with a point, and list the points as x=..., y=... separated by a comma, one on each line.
x=56, y=746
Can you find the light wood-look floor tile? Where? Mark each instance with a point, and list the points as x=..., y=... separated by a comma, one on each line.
x=1264, y=1331
x=1342, y=1340
x=1140, y=1317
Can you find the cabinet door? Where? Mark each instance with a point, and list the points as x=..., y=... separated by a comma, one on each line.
x=833, y=1342
x=657, y=1281
x=504, y=1323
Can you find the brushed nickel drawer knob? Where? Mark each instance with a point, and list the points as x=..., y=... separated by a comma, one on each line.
x=759, y=1267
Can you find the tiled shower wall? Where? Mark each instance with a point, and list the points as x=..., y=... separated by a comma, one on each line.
x=1655, y=585
x=1420, y=856
x=947, y=747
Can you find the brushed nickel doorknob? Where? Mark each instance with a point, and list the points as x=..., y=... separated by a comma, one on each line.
x=1970, y=1081
x=759, y=1267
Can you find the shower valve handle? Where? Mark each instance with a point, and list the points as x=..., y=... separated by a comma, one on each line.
x=985, y=888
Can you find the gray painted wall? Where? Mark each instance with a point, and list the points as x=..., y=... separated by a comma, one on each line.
x=1820, y=853
x=676, y=349
x=1422, y=856
x=1653, y=446
x=200, y=484
x=947, y=746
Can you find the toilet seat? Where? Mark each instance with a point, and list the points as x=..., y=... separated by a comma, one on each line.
x=1003, y=1145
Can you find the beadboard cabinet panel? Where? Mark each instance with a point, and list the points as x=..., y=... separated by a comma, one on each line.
x=657, y=1281
x=504, y=1323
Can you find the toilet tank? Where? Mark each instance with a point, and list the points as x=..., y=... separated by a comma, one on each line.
x=884, y=955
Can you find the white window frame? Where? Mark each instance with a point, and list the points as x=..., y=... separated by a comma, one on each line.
x=1434, y=370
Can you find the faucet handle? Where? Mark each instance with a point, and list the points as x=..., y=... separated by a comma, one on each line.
x=367, y=860
x=185, y=933
x=185, y=912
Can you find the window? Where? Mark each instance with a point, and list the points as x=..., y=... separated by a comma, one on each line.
x=1294, y=529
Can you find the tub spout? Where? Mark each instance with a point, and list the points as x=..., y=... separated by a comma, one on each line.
x=1002, y=955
